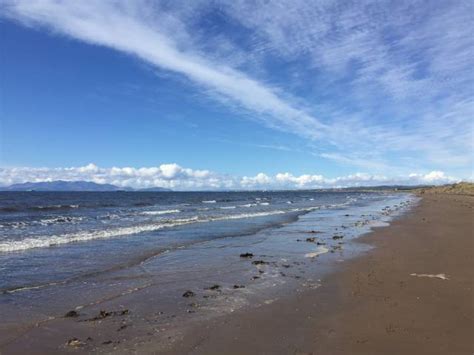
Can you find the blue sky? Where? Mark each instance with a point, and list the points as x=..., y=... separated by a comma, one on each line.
x=248, y=94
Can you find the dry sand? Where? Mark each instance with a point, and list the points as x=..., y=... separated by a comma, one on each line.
x=373, y=304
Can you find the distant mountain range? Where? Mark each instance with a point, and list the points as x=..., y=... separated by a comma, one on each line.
x=61, y=185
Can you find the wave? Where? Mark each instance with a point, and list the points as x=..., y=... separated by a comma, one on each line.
x=10, y=209
x=153, y=213
x=228, y=207
x=43, y=222
x=37, y=208
x=53, y=207
x=209, y=201
x=55, y=240
x=59, y=219
x=249, y=205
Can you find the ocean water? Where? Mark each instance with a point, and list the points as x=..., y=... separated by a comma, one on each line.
x=84, y=248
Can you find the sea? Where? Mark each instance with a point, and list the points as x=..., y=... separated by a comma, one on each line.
x=86, y=250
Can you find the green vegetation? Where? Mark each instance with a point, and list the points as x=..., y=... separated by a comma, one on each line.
x=462, y=188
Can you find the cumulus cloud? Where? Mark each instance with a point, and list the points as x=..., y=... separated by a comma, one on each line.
x=178, y=178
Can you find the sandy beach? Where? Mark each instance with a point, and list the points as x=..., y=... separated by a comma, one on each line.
x=381, y=303
x=407, y=289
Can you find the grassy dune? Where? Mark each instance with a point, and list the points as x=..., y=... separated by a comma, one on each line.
x=462, y=188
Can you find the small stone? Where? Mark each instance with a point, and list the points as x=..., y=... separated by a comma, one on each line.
x=71, y=314
x=259, y=262
x=188, y=294
x=246, y=255
x=74, y=342
x=311, y=240
x=239, y=286
x=337, y=237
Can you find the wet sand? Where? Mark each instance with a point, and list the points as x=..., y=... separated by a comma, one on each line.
x=372, y=304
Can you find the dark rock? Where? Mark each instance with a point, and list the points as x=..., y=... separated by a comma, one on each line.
x=321, y=243
x=214, y=287
x=239, y=286
x=255, y=277
x=188, y=293
x=246, y=255
x=286, y=265
x=311, y=240
x=107, y=342
x=314, y=232
x=259, y=262
x=122, y=327
x=338, y=237
x=71, y=314
x=104, y=314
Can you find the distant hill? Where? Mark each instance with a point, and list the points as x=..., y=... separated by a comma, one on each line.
x=61, y=185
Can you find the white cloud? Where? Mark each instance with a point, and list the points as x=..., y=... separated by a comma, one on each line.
x=176, y=177
x=131, y=29
x=406, y=92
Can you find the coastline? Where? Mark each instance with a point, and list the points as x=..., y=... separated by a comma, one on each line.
x=369, y=304
x=372, y=304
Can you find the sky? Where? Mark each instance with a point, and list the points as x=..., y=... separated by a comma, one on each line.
x=237, y=95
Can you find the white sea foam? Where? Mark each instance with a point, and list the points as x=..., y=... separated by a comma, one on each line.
x=377, y=223
x=55, y=207
x=153, y=213
x=43, y=222
x=60, y=219
x=228, y=207
x=54, y=240
x=249, y=205
x=264, y=203
x=209, y=201
x=319, y=251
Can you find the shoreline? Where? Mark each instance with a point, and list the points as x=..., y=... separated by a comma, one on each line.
x=372, y=304
x=354, y=308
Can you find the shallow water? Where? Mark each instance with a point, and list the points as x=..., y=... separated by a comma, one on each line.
x=89, y=251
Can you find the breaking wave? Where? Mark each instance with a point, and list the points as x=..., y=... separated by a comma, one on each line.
x=55, y=240
x=157, y=213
